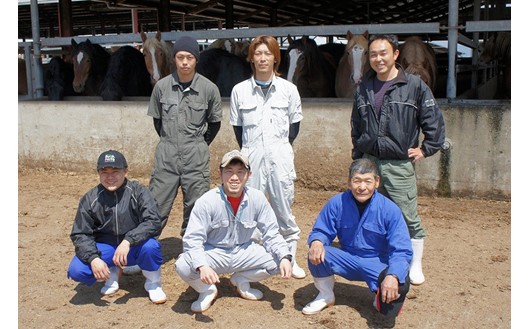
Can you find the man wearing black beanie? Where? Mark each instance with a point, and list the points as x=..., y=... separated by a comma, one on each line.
x=187, y=112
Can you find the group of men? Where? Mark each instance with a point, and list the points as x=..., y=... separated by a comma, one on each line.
x=245, y=226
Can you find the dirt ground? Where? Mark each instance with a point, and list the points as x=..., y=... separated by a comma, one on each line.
x=467, y=265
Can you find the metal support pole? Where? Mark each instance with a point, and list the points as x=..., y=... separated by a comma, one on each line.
x=37, y=61
x=453, y=12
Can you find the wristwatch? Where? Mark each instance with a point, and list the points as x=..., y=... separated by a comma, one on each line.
x=289, y=257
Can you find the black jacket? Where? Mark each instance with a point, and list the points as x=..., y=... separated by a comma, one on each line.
x=129, y=213
x=408, y=108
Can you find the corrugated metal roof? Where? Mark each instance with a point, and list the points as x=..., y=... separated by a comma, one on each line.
x=115, y=16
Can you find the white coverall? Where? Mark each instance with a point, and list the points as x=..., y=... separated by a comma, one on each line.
x=265, y=122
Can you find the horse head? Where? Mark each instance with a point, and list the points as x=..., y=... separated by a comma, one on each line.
x=158, y=56
x=356, y=52
x=90, y=63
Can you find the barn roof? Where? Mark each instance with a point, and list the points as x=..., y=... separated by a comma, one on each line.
x=115, y=16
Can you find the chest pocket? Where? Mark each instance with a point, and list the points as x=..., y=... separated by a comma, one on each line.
x=197, y=113
x=374, y=233
x=169, y=108
x=249, y=113
x=248, y=223
x=218, y=223
x=280, y=112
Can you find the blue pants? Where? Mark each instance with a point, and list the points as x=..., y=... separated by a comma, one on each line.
x=350, y=267
x=147, y=255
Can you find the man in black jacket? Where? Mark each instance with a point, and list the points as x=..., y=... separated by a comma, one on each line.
x=115, y=226
x=391, y=108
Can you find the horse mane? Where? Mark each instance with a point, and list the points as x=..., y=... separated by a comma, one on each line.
x=417, y=57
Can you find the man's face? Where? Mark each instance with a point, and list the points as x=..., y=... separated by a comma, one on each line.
x=363, y=186
x=112, y=178
x=381, y=56
x=185, y=63
x=234, y=176
x=263, y=59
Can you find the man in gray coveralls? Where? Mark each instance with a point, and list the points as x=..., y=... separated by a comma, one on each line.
x=187, y=112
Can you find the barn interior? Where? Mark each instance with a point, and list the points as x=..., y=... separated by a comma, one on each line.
x=116, y=19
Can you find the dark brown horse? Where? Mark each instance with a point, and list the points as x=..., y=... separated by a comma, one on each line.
x=90, y=64
x=126, y=75
x=310, y=69
x=417, y=57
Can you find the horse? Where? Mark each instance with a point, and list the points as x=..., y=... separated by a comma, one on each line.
x=498, y=48
x=58, y=79
x=417, y=57
x=223, y=68
x=90, y=64
x=311, y=70
x=353, y=65
x=158, y=56
x=239, y=48
x=127, y=75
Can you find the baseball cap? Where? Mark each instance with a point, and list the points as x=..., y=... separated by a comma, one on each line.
x=112, y=159
x=232, y=155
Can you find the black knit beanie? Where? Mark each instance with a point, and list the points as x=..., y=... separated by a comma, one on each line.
x=187, y=43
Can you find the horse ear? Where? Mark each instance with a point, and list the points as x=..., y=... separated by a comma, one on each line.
x=74, y=43
x=159, y=35
x=290, y=40
x=366, y=34
x=349, y=35
x=143, y=36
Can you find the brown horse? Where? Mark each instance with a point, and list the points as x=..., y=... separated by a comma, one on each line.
x=158, y=56
x=313, y=70
x=353, y=65
x=417, y=57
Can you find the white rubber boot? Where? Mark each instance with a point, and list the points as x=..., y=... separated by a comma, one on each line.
x=153, y=285
x=206, y=295
x=111, y=285
x=416, y=275
x=325, y=297
x=297, y=272
x=241, y=281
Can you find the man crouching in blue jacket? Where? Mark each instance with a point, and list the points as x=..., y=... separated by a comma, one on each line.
x=374, y=243
x=115, y=226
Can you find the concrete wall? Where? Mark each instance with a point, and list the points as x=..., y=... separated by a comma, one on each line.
x=71, y=134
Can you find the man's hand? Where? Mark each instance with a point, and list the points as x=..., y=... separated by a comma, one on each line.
x=120, y=256
x=208, y=275
x=285, y=266
x=389, y=288
x=415, y=154
x=316, y=252
x=100, y=269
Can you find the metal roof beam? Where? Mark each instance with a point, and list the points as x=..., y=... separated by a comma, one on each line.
x=484, y=26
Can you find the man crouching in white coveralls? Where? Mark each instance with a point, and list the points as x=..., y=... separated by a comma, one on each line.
x=218, y=239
